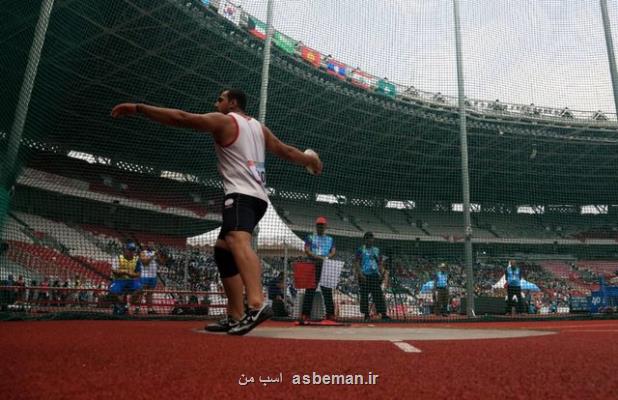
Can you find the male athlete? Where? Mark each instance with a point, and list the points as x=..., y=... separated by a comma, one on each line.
x=126, y=270
x=149, y=259
x=240, y=144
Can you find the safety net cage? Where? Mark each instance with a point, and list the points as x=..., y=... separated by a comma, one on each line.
x=470, y=152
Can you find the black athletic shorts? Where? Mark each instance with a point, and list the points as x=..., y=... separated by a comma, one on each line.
x=241, y=213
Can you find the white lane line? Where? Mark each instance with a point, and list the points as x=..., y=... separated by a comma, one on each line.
x=558, y=326
x=405, y=347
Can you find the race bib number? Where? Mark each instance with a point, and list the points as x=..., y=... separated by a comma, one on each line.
x=258, y=171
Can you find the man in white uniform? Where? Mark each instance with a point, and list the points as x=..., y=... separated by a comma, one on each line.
x=148, y=278
x=240, y=144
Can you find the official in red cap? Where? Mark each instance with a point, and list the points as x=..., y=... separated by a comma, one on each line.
x=318, y=247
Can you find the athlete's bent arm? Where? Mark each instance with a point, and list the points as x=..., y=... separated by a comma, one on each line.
x=290, y=153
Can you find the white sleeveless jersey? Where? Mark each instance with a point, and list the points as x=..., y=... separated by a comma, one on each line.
x=241, y=163
x=150, y=270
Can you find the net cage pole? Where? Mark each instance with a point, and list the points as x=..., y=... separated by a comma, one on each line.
x=610, y=51
x=9, y=168
x=285, y=271
x=465, y=176
x=266, y=62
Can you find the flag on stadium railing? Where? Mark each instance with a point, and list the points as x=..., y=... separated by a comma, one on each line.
x=361, y=79
x=257, y=28
x=229, y=11
x=386, y=88
x=336, y=68
x=285, y=43
x=312, y=56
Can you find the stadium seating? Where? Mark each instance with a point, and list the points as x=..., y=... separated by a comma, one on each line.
x=75, y=242
x=401, y=222
x=14, y=231
x=166, y=193
x=298, y=215
x=573, y=278
x=354, y=219
x=515, y=226
x=364, y=218
x=559, y=269
x=106, y=234
x=606, y=268
x=43, y=261
x=8, y=267
x=441, y=223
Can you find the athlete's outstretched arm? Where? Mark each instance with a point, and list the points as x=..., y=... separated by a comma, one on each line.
x=290, y=153
x=214, y=123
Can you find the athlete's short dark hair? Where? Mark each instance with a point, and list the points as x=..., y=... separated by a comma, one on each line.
x=239, y=96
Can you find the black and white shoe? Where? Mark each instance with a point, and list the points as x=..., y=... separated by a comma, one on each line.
x=223, y=325
x=252, y=319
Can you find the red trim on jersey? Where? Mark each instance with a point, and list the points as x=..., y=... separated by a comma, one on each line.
x=235, y=136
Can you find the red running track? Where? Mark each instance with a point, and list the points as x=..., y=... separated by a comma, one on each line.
x=170, y=360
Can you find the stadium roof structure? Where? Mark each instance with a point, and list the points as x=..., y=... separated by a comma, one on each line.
x=179, y=53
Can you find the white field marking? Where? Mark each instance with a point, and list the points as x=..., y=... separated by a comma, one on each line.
x=405, y=347
x=558, y=326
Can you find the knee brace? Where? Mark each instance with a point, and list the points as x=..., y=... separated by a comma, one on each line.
x=225, y=263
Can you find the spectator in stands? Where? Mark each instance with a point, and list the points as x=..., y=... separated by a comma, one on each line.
x=497, y=106
x=276, y=288
x=43, y=295
x=65, y=294
x=5, y=294
x=530, y=303
x=566, y=113
x=553, y=307
x=441, y=291
x=319, y=246
x=513, y=278
x=370, y=273
x=20, y=291
x=55, y=294
x=126, y=270
x=411, y=91
x=74, y=296
x=32, y=293
x=240, y=145
x=148, y=276
x=599, y=116
x=81, y=295
x=325, y=61
x=532, y=109
x=455, y=304
x=99, y=294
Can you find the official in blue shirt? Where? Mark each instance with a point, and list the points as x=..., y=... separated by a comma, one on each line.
x=370, y=273
x=513, y=277
x=319, y=246
x=441, y=288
